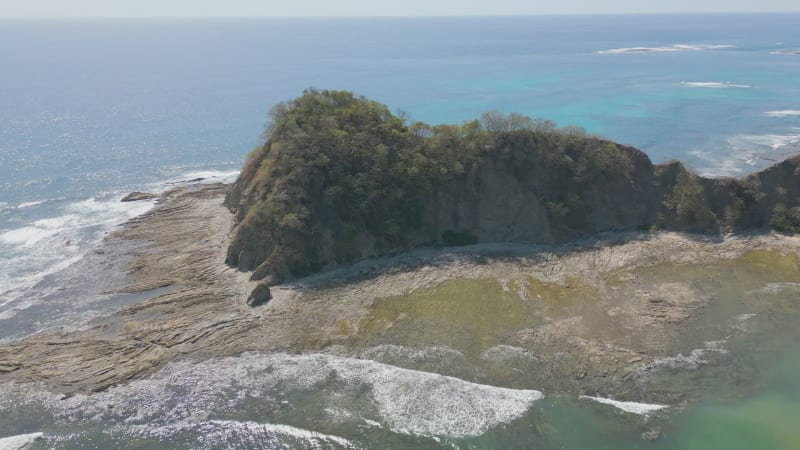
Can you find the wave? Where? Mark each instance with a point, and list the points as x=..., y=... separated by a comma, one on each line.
x=786, y=52
x=63, y=231
x=642, y=409
x=769, y=141
x=783, y=113
x=50, y=245
x=20, y=442
x=231, y=433
x=29, y=204
x=663, y=49
x=714, y=84
x=403, y=400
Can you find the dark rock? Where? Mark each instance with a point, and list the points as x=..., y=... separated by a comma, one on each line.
x=260, y=295
x=138, y=196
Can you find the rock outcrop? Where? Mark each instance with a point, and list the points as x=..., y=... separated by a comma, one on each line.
x=139, y=196
x=340, y=179
x=259, y=296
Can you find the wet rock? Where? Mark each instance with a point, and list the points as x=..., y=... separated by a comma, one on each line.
x=260, y=295
x=138, y=196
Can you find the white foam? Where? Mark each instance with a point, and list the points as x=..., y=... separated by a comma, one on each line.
x=664, y=49
x=29, y=204
x=391, y=352
x=215, y=433
x=714, y=84
x=25, y=236
x=783, y=113
x=767, y=141
x=692, y=361
x=748, y=150
x=406, y=401
x=47, y=246
x=641, y=409
x=20, y=442
x=785, y=52
x=372, y=423
x=743, y=317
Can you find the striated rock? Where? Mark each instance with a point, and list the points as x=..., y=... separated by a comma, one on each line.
x=204, y=312
x=260, y=295
x=139, y=196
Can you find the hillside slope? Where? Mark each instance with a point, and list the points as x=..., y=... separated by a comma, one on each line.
x=339, y=179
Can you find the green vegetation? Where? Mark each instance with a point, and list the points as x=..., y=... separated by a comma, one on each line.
x=340, y=178
x=784, y=219
x=689, y=204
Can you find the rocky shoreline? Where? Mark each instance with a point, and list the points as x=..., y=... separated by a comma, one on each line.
x=592, y=322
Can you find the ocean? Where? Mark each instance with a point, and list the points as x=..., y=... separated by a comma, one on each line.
x=93, y=109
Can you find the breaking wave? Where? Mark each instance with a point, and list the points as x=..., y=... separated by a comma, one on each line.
x=204, y=396
x=783, y=113
x=663, y=49
x=250, y=435
x=715, y=84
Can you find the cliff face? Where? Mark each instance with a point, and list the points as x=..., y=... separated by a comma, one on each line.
x=341, y=179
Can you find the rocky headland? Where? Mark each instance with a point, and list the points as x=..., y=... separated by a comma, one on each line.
x=578, y=317
x=340, y=179
x=541, y=262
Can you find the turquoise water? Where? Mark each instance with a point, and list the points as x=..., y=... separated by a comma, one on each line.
x=92, y=109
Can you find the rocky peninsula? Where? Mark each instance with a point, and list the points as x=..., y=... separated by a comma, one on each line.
x=340, y=179
x=525, y=266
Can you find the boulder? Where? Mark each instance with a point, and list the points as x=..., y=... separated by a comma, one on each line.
x=138, y=196
x=259, y=296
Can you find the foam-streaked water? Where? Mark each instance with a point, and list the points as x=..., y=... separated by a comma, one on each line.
x=93, y=109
